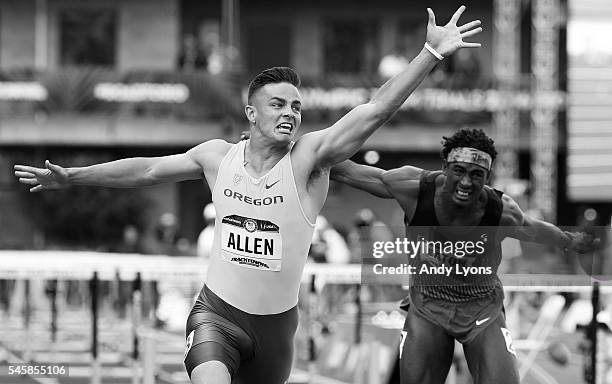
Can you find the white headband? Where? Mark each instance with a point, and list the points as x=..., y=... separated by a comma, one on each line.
x=470, y=155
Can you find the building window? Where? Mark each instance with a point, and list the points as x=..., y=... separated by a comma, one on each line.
x=351, y=47
x=88, y=37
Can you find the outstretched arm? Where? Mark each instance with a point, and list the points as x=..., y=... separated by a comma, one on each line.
x=526, y=228
x=345, y=137
x=364, y=177
x=124, y=173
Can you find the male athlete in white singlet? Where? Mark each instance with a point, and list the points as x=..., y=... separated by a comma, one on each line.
x=267, y=193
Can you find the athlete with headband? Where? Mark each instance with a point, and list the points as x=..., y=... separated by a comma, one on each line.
x=456, y=204
x=267, y=192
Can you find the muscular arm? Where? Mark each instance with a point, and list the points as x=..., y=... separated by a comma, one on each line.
x=343, y=139
x=137, y=171
x=526, y=228
x=125, y=173
x=340, y=141
x=404, y=183
x=364, y=177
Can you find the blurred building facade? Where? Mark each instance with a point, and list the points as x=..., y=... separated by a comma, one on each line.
x=134, y=77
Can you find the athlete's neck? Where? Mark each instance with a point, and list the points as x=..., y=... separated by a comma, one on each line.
x=449, y=212
x=260, y=157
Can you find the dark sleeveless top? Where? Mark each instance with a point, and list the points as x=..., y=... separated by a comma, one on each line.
x=473, y=253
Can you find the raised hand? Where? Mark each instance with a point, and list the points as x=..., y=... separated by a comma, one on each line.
x=583, y=242
x=449, y=38
x=51, y=177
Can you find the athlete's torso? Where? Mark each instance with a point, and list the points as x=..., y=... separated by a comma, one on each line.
x=261, y=237
x=472, y=253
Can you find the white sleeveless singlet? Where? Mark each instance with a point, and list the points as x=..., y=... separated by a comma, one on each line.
x=262, y=236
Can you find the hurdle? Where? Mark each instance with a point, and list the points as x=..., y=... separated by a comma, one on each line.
x=143, y=367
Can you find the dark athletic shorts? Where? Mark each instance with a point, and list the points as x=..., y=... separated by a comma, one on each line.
x=463, y=320
x=427, y=351
x=254, y=348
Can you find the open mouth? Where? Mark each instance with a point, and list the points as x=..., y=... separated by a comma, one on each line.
x=462, y=195
x=285, y=128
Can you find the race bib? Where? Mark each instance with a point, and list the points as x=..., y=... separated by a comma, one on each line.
x=251, y=243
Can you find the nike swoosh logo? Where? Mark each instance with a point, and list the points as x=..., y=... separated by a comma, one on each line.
x=479, y=322
x=271, y=185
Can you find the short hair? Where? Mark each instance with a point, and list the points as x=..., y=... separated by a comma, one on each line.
x=271, y=76
x=465, y=137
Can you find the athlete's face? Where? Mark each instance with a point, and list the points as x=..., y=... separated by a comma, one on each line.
x=276, y=111
x=464, y=182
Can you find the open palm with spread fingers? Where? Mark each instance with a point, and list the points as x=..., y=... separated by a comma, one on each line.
x=449, y=38
x=51, y=177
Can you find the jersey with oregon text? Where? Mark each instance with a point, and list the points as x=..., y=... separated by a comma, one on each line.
x=262, y=236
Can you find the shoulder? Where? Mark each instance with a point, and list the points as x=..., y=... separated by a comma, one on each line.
x=215, y=147
x=321, y=147
x=490, y=194
x=303, y=157
x=404, y=185
x=210, y=152
x=306, y=144
x=512, y=215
